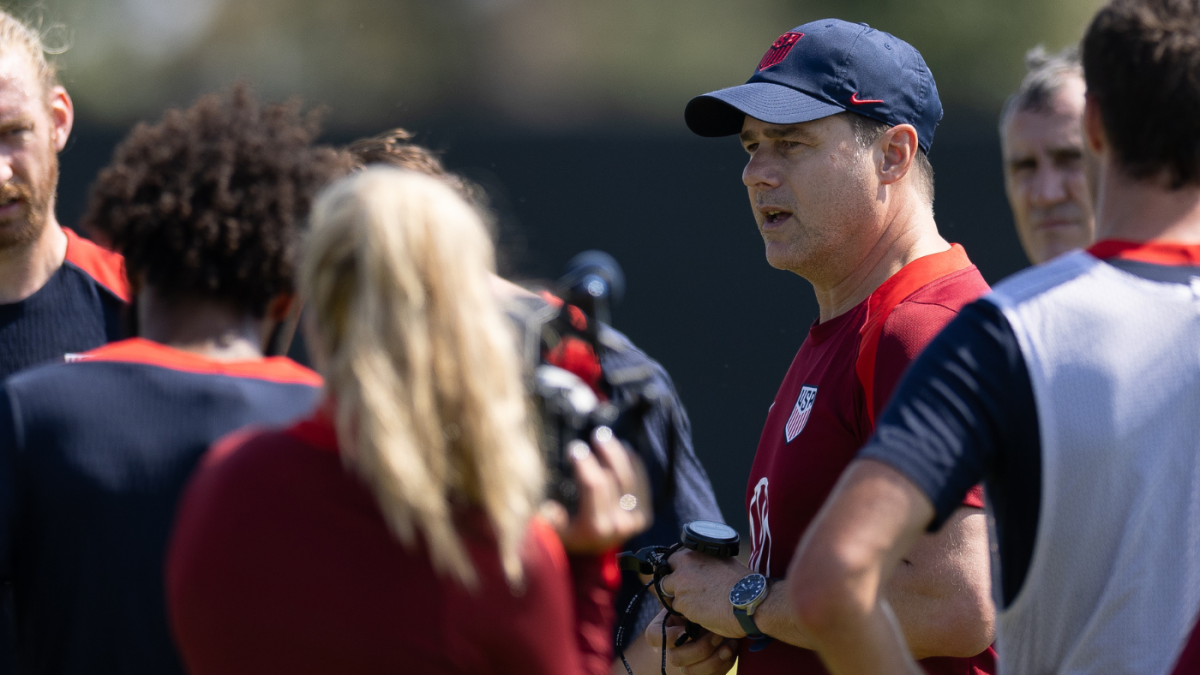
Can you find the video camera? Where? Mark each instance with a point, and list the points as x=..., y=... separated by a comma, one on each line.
x=567, y=336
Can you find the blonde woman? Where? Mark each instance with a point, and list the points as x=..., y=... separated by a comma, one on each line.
x=395, y=529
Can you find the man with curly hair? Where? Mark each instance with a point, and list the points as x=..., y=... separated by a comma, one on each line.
x=206, y=206
x=58, y=293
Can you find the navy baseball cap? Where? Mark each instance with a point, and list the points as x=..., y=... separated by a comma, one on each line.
x=823, y=68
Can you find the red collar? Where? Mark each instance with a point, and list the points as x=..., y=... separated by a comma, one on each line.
x=139, y=350
x=914, y=276
x=1156, y=252
x=106, y=267
x=911, y=278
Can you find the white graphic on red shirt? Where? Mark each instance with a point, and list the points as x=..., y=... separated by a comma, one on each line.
x=800, y=413
x=760, y=531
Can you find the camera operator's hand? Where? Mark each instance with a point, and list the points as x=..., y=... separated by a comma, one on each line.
x=614, y=497
x=709, y=654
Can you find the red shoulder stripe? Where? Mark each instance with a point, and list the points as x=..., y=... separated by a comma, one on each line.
x=892, y=292
x=138, y=350
x=1156, y=252
x=106, y=267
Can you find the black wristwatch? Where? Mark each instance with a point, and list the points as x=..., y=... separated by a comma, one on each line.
x=745, y=597
x=710, y=538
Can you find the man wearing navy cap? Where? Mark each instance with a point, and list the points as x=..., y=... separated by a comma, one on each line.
x=837, y=120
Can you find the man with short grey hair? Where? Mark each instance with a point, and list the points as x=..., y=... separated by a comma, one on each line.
x=1045, y=172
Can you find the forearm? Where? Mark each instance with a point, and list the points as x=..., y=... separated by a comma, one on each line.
x=933, y=624
x=775, y=618
x=864, y=644
x=846, y=565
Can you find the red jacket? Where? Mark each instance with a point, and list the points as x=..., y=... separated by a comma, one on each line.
x=282, y=563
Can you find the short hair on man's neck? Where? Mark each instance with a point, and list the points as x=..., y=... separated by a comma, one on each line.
x=1046, y=74
x=868, y=130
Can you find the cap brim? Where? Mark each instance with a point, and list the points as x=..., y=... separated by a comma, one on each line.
x=721, y=113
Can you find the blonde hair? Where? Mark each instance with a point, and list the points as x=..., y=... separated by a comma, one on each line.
x=421, y=363
x=20, y=36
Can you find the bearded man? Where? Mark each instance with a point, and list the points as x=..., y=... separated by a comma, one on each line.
x=59, y=293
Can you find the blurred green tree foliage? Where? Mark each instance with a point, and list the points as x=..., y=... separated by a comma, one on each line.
x=542, y=64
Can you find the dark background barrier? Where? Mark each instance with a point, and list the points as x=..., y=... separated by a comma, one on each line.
x=671, y=207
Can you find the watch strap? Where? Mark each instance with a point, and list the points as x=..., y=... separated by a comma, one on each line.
x=748, y=625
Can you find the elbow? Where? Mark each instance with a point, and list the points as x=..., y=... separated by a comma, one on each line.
x=830, y=590
x=817, y=608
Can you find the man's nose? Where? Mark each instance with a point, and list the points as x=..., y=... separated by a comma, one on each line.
x=1049, y=187
x=6, y=172
x=760, y=173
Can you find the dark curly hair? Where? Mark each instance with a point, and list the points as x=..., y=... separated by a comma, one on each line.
x=210, y=201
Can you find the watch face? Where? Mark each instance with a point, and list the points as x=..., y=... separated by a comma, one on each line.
x=747, y=590
x=711, y=532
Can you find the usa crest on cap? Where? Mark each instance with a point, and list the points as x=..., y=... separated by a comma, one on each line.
x=779, y=49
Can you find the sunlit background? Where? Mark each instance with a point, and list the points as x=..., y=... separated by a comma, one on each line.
x=570, y=114
x=544, y=65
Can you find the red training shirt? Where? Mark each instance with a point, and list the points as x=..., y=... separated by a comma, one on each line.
x=825, y=411
x=282, y=563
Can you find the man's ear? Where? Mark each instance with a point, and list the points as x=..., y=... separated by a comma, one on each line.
x=899, y=148
x=1093, y=126
x=62, y=117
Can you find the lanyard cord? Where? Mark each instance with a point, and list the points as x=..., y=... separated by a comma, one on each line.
x=661, y=570
x=637, y=597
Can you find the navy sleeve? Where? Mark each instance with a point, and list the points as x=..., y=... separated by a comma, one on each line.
x=8, y=501
x=681, y=489
x=965, y=414
x=8, y=497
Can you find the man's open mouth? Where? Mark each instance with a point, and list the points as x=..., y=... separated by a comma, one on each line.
x=775, y=216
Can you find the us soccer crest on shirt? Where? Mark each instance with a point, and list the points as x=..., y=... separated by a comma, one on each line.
x=800, y=413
